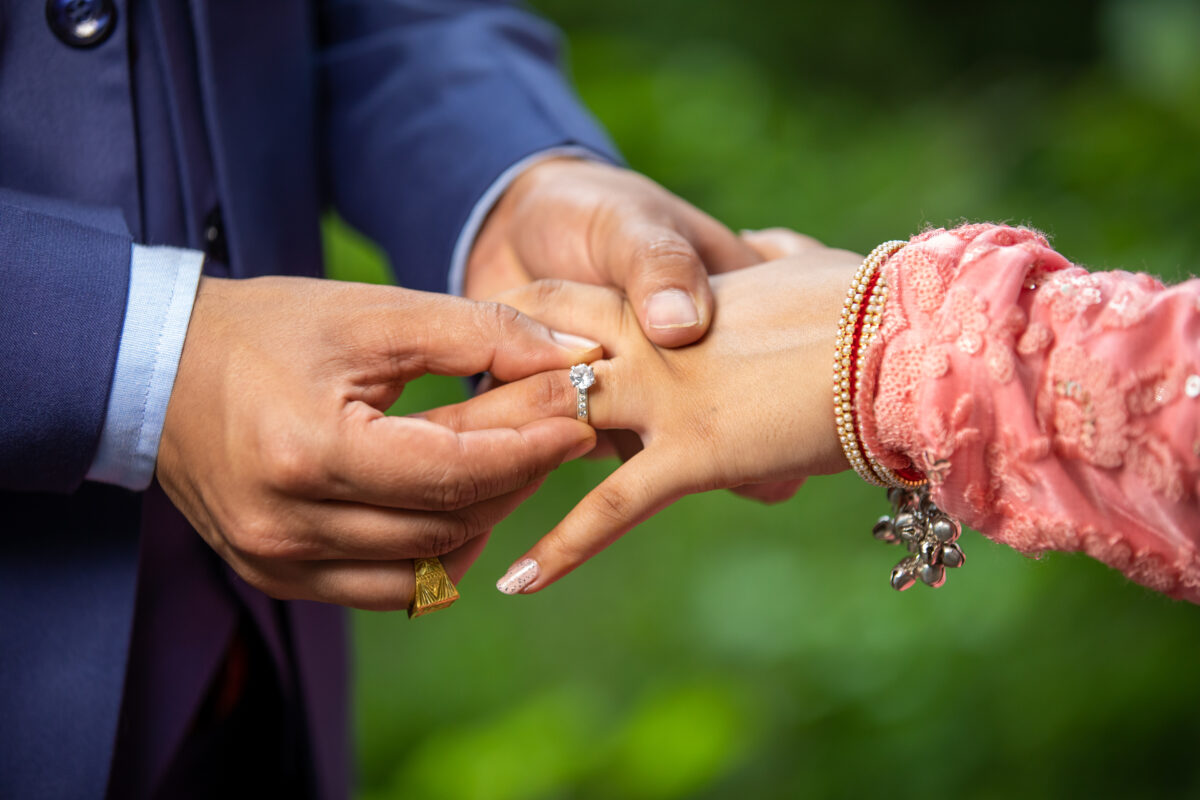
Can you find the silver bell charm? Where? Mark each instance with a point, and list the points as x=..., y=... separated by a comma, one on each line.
x=928, y=533
x=904, y=574
x=884, y=531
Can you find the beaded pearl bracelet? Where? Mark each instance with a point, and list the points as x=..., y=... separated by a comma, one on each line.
x=862, y=311
x=927, y=532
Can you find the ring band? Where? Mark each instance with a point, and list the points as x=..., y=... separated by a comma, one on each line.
x=582, y=378
x=434, y=589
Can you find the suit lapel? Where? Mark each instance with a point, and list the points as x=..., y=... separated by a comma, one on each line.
x=257, y=64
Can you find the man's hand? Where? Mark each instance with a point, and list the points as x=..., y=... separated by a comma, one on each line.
x=594, y=223
x=277, y=449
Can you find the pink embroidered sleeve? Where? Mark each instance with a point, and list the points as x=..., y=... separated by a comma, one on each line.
x=1051, y=408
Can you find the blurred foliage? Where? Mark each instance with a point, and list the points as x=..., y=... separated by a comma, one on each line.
x=726, y=649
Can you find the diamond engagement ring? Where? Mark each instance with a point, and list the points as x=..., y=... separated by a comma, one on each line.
x=582, y=378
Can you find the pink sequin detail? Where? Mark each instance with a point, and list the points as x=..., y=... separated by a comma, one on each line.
x=929, y=273
x=1000, y=363
x=1036, y=338
x=1013, y=322
x=1127, y=308
x=1151, y=390
x=1069, y=292
x=1084, y=407
x=936, y=362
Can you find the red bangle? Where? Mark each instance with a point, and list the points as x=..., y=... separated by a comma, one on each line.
x=862, y=312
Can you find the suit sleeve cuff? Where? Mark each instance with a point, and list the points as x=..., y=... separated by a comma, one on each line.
x=162, y=290
x=483, y=207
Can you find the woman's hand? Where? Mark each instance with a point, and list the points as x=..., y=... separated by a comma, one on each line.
x=750, y=403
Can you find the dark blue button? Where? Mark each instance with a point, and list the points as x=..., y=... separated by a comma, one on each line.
x=215, y=246
x=81, y=23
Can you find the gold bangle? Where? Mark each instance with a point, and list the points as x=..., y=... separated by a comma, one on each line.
x=929, y=534
x=862, y=311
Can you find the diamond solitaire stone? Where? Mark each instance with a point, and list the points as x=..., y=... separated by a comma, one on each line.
x=582, y=376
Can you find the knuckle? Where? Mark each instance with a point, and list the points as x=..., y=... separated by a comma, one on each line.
x=521, y=474
x=546, y=292
x=501, y=317
x=451, y=533
x=614, y=504
x=554, y=396
x=663, y=254
x=261, y=536
x=564, y=549
x=533, y=297
x=247, y=532
x=289, y=467
x=506, y=329
x=457, y=487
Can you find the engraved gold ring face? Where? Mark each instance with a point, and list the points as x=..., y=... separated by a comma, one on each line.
x=434, y=589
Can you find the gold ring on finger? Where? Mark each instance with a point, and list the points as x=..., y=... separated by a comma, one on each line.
x=434, y=589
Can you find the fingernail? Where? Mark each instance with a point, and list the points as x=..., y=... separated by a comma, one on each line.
x=519, y=575
x=574, y=342
x=671, y=308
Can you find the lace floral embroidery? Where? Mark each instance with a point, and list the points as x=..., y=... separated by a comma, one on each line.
x=1151, y=459
x=1084, y=408
x=998, y=372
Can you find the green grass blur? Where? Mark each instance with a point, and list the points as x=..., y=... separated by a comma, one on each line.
x=729, y=650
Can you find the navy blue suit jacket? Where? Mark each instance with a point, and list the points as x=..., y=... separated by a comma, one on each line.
x=397, y=114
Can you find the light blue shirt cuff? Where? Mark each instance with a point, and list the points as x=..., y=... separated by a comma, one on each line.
x=162, y=290
x=470, y=229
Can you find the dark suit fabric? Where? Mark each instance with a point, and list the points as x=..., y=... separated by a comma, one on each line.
x=398, y=115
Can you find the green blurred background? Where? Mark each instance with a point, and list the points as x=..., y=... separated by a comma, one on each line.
x=726, y=649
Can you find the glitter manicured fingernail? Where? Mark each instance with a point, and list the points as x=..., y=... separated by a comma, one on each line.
x=519, y=575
